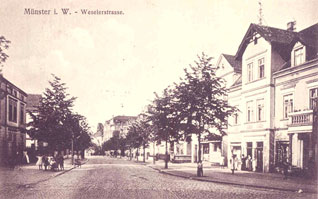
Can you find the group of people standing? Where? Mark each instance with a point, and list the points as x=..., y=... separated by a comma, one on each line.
x=54, y=163
x=244, y=163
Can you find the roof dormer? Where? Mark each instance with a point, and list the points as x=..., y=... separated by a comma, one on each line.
x=298, y=54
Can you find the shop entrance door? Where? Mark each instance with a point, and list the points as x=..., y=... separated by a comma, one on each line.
x=259, y=157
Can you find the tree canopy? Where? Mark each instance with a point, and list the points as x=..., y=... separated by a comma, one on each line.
x=4, y=45
x=55, y=123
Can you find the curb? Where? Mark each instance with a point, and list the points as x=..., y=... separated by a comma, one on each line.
x=228, y=183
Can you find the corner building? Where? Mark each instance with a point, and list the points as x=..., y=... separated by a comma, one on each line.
x=278, y=72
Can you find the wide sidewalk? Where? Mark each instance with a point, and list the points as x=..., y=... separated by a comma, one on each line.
x=240, y=178
x=28, y=175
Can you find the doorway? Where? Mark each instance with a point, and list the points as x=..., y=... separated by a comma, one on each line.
x=259, y=156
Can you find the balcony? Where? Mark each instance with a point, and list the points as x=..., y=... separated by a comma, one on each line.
x=300, y=121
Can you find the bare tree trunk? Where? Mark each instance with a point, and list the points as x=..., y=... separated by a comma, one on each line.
x=154, y=153
x=166, y=156
x=199, y=146
x=200, y=166
x=144, y=156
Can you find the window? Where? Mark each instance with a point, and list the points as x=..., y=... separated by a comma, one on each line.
x=249, y=110
x=260, y=110
x=205, y=148
x=22, y=113
x=261, y=72
x=250, y=72
x=313, y=93
x=216, y=146
x=299, y=56
x=13, y=110
x=288, y=105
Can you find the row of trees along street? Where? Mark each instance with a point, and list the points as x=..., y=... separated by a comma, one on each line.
x=195, y=105
x=54, y=121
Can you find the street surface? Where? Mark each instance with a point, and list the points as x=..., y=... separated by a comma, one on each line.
x=104, y=177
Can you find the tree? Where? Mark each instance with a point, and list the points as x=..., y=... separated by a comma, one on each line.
x=82, y=135
x=144, y=131
x=162, y=113
x=132, y=139
x=4, y=45
x=201, y=102
x=115, y=143
x=54, y=122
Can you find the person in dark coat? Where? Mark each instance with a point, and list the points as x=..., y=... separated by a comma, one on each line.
x=61, y=162
x=285, y=169
x=200, y=169
x=45, y=162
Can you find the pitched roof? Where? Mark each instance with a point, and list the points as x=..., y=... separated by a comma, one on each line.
x=270, y=34
x=33, y=101
x=236, y=64
x=310, y=36
x=237, y=82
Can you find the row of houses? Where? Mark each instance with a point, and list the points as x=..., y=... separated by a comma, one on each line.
x=273, y=81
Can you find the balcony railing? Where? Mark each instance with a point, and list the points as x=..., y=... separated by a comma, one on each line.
x=301, y=118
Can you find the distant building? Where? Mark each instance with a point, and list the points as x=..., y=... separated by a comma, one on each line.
x=12, y=120
x=117, y=125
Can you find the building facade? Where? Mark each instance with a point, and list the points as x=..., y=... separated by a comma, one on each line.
x=278, y=70
x=12, y=120
x=117, y=125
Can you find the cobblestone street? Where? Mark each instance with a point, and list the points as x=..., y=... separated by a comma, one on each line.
x=103, y=177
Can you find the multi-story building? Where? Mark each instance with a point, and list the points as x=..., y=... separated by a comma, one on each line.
x=12, y=120
x=278, y=76
x=117, y=125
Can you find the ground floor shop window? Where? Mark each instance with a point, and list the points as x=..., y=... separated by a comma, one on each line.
x=205, y=148
x=282, y=152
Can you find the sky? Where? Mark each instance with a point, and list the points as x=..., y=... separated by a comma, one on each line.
x=113, y=64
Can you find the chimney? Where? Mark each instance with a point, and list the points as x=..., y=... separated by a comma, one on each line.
x=291, y=26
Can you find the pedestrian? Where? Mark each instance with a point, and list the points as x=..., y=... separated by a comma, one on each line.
x=25, y=158
x=254, y=164
x=232, y=163
x=285, y=169
x=45, y=162
x=200, y=169
x=249, y=163
x=17, y=159
x=243, y=159
x=61, y=162
x=222, y=162
x=39, y=162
